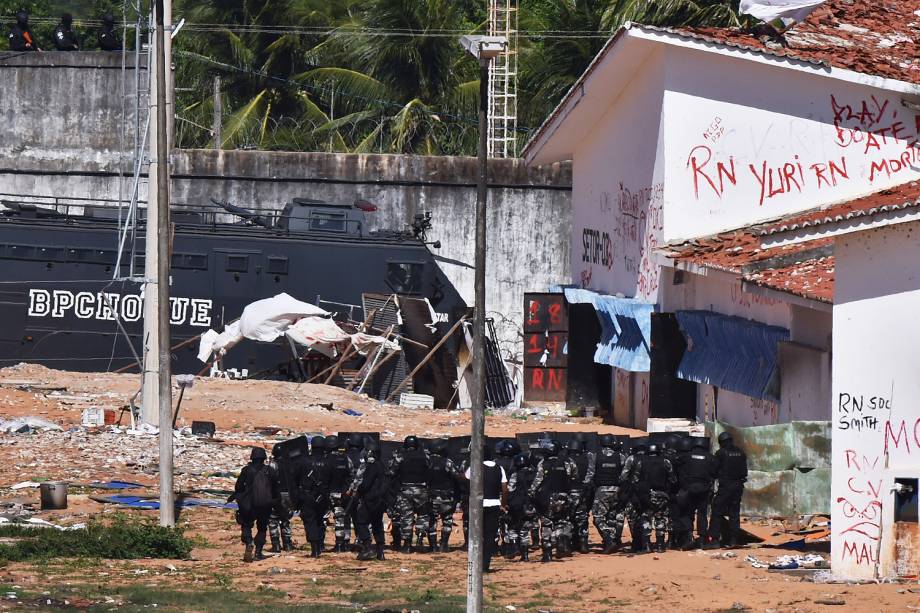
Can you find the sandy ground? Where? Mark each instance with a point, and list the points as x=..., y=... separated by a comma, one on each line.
x=687, y=581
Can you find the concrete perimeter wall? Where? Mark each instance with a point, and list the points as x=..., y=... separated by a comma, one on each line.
x=63, y=134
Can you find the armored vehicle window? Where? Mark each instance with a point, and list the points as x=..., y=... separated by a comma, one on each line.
x=277, y=265
x=327, y=222
x=405, y=277
x=237, y=263
x=195, y=261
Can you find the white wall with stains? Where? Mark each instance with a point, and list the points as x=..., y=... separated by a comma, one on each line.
x=876, y=394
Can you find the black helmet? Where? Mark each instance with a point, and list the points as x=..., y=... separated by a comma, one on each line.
x=653, y=449
x=276, y=450
x=372, y=448
x=685, y=443
x=410, y=442
x=608, y=440
x=640, y=447
x=108, y=19
x=672, y=441
x=698, y=442
x=332, y=442
x=439, y=446
x=513, y=448
x=521, y=460
x=318, y=444
x=576, y=446
x=257, y=454
x=554, y=448
x=22, y=18
x=725, y=438
x=66, y=18
x=355, y=440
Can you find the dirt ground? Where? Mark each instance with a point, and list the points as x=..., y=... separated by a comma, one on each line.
x=687, y=581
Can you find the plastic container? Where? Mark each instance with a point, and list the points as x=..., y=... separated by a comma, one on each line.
x=53, y=495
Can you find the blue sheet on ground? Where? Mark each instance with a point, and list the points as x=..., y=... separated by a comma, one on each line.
x=116, y=485
x=149, y=503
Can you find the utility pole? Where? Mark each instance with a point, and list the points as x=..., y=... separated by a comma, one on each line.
x=218, y=112
x=157, y=379
x=484, y=49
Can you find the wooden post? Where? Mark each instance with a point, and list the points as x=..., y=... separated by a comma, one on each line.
x=426, y=358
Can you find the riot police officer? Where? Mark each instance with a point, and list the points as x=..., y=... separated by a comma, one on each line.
x=581, y=495
x=731, y=471
x=550, y=490
x=522, y=513
x=369, y=490
x=607, y=508
x=279, y=522
x=341, y=473
x=695, y=475
x=441, y=480
x=106, y=36
x=64, y=37
x=409, y=469
x=21, y=37
x=653, y=480
x=313, y=494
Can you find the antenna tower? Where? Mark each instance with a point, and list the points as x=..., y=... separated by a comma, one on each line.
x=502, y=135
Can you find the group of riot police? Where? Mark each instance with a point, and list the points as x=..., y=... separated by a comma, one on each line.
x=540, y=495
x=64, y=38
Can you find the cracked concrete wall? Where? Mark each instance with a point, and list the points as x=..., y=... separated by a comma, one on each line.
x=63, y=134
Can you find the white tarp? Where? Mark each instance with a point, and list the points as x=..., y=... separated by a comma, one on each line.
x=366, y=342
x=212, y=342
x=787, y=10
x=318, y=333
x=265, y=320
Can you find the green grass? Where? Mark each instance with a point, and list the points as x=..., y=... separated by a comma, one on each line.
x=122, y=539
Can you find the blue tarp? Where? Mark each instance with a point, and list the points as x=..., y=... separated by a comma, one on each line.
x=626, y=332
x=731, y=353
x=138, y=502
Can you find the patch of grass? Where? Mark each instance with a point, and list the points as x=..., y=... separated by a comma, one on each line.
x=120, y=540
x=435, y=600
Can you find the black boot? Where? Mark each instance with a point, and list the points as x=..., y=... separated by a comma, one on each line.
x=511, y=550
x=287, y=544
x=432, y=543
x=609, y=546
x=380, y=549
x=524, y=550
x=560, y=548
x=316, y=548
x=340, y=546
x=259, y=555
x=547, y=554
x=367, y=551
x=406, y=546
x=420, y=543
x=248, y=552
x=276, y=544
x=583, y=545
x=445, y=543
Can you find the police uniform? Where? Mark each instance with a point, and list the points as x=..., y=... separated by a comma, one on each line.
x=313, y=498
x=581, y=497
x=279, y=523
x=442, y=486
x=731, y=470
x=653, y=480
x=608, y=508
x=409, y=468
x=695, y=475
x=369, y=490
x=522, y=513
x=341, y=472
x=550, y=490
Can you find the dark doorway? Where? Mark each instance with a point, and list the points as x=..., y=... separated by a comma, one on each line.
x=669, y=396
x=589, y=383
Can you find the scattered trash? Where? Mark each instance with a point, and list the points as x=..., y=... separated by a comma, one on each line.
x=24, y=484
x=738, y=606
x=25, y=425
x=809, y=561
x=352, y=412
x=416, y=401
x=831, y=601
x=725, y=555
x=204, y=428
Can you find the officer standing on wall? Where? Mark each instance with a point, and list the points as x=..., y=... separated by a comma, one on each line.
x=64, y=37
x=409, y=469
x=695, y=476
x=21, y=37
x=731, y=472
x=550, y=490
x=608, y=509
x=107, y=37
x=582, y=493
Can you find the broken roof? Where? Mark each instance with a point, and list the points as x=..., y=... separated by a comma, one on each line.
x=879, y=38
x=802, y=268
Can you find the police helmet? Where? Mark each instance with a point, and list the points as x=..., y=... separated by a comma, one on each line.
x=685, y=443
x=654, y=449
x=22, y=18
x=66, y=18
x=410, y=442
x=108, y=19
x=607, y=440
x=276, y=450
x=725, y=438
x=355, y=441
x=554, y=447
x=318, y=444
x=332, y=442
x=439, y=446
x=698, y=442
x=257, y=454
x=513, y=448
x=640, y=447
x=521, y=460
x=372, y=448
x=576, y=446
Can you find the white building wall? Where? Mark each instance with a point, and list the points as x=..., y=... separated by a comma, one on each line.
x=876, y=393
x=617, y=191
x=747, y=142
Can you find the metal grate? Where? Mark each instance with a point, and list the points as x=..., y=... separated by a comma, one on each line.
x=393, y=372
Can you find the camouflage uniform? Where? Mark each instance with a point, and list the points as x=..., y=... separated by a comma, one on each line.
x=343, y=472
x=553, y=498
x=443, y=477
x=279, y=522
x=580, y=497
x=653, y=480
x=608, y=508
x=630, y=509
x=523, y=518
x=409, y=468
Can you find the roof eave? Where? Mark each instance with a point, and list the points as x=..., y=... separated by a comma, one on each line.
x=879, y=219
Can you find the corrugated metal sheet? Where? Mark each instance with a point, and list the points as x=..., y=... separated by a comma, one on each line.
x=787, y=493
x=626, y=333
x=731, y=353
